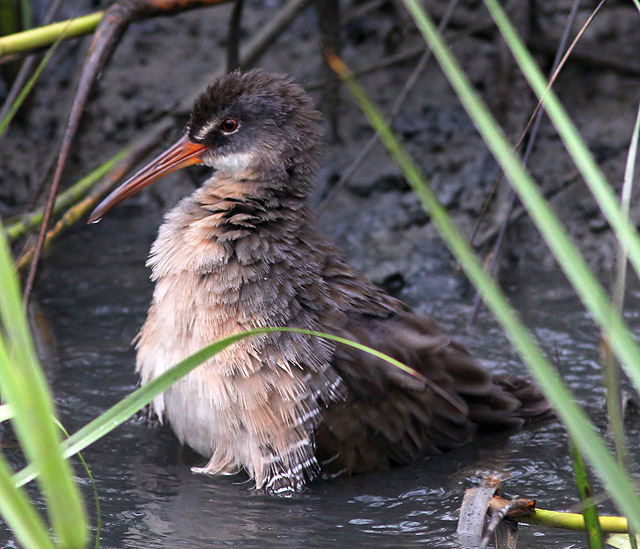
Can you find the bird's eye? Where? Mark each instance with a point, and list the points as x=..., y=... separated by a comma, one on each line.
x=229, y=125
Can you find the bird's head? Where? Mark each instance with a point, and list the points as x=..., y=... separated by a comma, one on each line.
x=255, y=126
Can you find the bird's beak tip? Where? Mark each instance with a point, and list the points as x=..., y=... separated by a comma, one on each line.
x=181, y=154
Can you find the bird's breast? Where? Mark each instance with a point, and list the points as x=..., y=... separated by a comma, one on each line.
x=208, y=286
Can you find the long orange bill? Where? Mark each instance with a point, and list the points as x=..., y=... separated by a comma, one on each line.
x=181, y=154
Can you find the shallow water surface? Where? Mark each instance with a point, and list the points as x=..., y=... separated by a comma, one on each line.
x=95, y=291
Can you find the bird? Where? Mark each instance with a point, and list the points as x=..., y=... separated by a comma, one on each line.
x=242, y=252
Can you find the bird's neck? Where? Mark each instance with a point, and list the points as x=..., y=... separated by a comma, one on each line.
x=251, y=207
x=228, y=221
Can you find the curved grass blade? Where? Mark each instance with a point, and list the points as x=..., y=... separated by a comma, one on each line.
x=20, y=515
x=591, y=172
x=24, y=387
x=123, y=410
x=94, y=488
x=591, y=444
x=28, y=87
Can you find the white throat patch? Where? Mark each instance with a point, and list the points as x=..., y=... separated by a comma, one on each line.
x=234, y=163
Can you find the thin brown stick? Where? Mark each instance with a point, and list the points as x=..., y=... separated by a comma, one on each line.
x=587, y=56
x=81, y=208
x=328, y=12
x=395, y=110
x=358, y=11
x=534, y=114
x=233, y=36
x=111, y=27
x=537, y=119
x=248, y=55
x=28, y=65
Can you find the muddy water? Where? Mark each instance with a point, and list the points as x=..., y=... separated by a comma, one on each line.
x=96, y=291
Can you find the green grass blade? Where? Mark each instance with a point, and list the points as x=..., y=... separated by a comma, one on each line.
x=590, y=291
x=625, y=203
x=45, y=36
x=27, y=87
x=592, y=174
x=610, y=368
x=20, y=515
x=94, y=488
x=96, y=500
x=588, y=288
x=18, y=228
x=23, y=386
x=614, y=403
x=589, y=511
x=614, y=477
x=26, y=14
x=123, y=410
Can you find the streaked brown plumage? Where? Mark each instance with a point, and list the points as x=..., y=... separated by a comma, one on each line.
x=241, y=252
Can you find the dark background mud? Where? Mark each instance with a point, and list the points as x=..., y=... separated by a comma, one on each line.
x=375, y=217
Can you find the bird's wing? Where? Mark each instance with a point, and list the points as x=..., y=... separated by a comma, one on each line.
x=390, y=416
